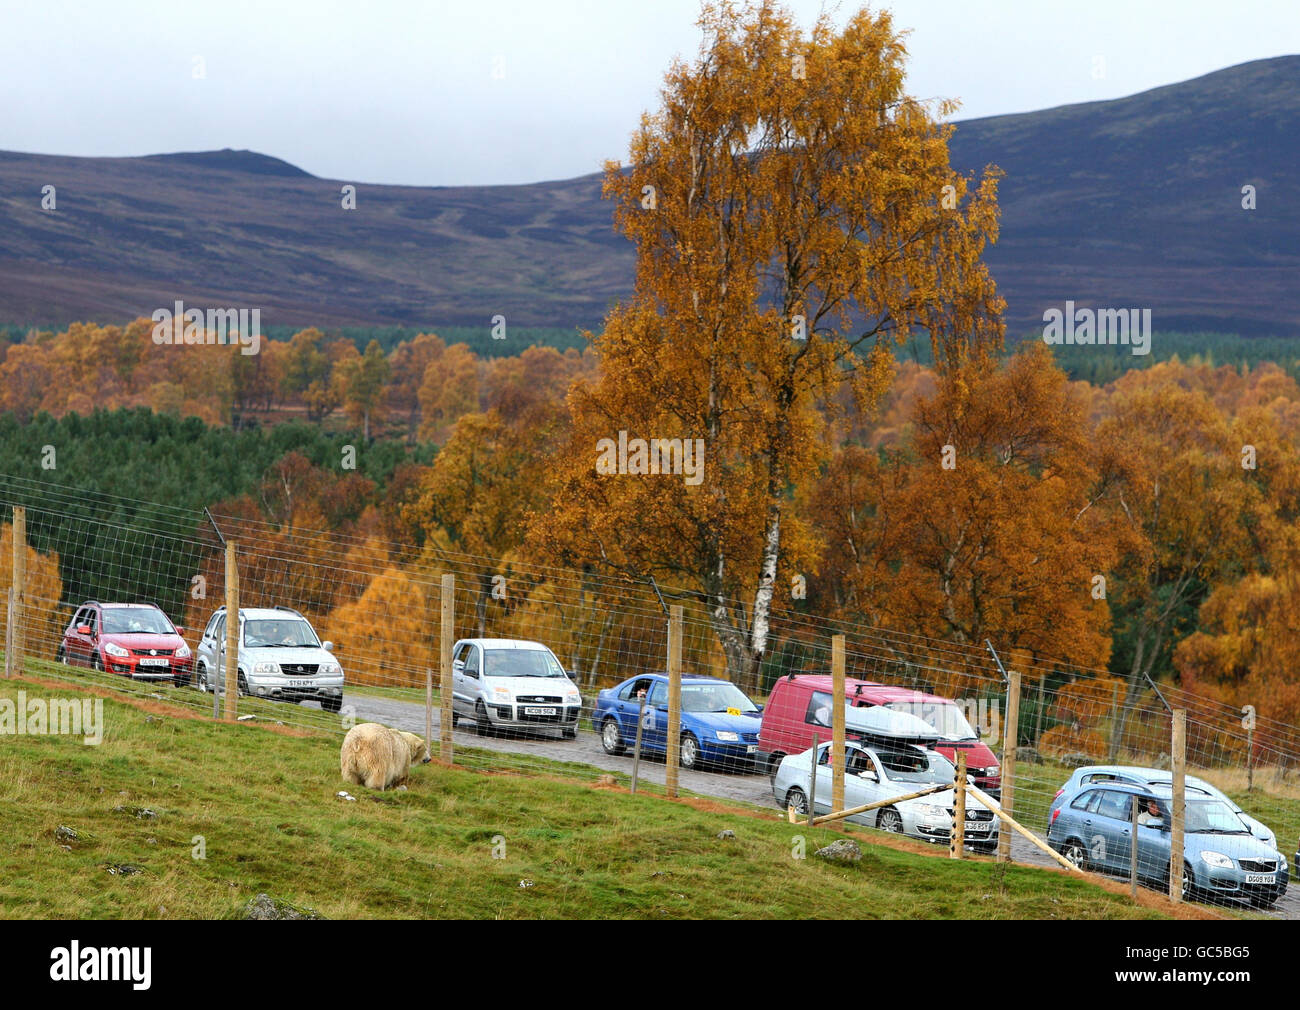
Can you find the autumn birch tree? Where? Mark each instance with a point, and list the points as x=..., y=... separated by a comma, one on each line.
x=794, y=213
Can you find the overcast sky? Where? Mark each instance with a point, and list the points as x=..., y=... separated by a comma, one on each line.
x=497, y=91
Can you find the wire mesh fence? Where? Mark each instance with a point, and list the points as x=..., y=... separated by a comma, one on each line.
x=129, y=596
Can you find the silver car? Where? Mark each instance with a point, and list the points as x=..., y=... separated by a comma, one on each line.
x=280, y=657
x=877, y=773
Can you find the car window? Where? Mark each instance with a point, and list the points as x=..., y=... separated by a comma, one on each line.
x=1115, y=804
x=471, y=661
x=715, y=696
x=78, y=618
x=211, y=630
x=520, y=663
x=136, y=621
x=92, y=618
x=658, y=696
x=916, y=765
x=633, y=686
x=819, y=709
x=1086, y=801
x=291, y=632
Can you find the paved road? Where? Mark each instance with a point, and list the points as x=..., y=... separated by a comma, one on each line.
x=586, y=749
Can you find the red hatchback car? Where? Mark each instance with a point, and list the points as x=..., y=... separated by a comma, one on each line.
x=798, y=710
x=135, y=639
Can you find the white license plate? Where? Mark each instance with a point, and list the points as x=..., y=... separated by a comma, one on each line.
x=535, y=710
x=155, y=661
x=1261, y=878
x=301, y=683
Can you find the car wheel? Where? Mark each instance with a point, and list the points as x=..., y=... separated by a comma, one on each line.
x=482, y=725
x=202, y=684
x=241, y=685
x=97, y=664
x=455, y=720
x=690, y=751
x=1189, y=882
x=890, y=820
x=796, y=798
x=61, y=655
x=331, y=703
x=773, y=763
x=569, y=734
x=1076, y=853
x=610, y=737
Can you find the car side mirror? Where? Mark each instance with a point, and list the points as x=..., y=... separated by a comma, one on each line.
x=83, y=629
x=327, y=646
x=179, y=629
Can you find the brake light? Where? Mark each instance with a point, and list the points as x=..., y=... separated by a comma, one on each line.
x=1055, y=814
x=1058, y=793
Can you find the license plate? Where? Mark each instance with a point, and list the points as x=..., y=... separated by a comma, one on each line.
x=155, y=661
x=301, y=683
x=1261, y=878
x=535, y=710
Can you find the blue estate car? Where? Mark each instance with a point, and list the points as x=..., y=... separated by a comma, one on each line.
x=719, y=723
x=1222, y=859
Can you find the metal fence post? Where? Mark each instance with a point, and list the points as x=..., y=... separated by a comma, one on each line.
x=636, y=748
x=446, y=634
x=1010, y=739
x=1178, y=765
x=1133, y=853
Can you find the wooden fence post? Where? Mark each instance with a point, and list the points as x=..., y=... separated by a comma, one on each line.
x=446, y=636
x=1133, y=849
x=9, y=631
x=957, y=841
x=837, y=722
x=1010, y=738
x=18, y=599
x=1178, y=765
x=674, y=728
x=428, y=710
x=232, y=634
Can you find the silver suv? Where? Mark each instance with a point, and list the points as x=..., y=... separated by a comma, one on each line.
x=280, y=657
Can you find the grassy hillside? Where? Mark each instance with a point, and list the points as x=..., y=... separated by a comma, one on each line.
x=263, y=799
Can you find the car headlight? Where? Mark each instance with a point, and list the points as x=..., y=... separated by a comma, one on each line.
x=266, y=668
x=1217, y=859
x=183, y=652
x=573, y=699
x=730, y=737
x=115, y=650
x=501, y=694
x=331, y=669
x=932, y=811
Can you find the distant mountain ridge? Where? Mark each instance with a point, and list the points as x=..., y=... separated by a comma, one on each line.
x=1134, y=202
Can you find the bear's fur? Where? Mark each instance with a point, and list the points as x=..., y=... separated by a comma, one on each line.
x=377, y=757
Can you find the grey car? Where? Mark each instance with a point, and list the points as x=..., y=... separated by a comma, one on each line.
x=878, y=773
x=1223, y=861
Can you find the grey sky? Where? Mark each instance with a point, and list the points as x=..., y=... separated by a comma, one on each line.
x=403, y=91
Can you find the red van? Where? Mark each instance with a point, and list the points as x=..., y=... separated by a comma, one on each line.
x=799, y=708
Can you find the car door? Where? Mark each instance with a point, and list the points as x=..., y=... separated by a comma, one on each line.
x=208, y=643
x=471, y=680
x=626, y=708
x=861, y=781
x=1154, y=841
x=459, y=651
x=654, y=735
x=1110, y=838
x=74, y=645
x=825, y=781
x=90, y=640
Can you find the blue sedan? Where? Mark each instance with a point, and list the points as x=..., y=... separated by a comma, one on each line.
x=719, y=724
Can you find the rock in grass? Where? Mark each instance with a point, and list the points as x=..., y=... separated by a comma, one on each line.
x=726, y=833
x=1029, y=754
x=266, y=907
x=139, y=813
x=1077, y=760
x=843, y=850
x=63, y=833
x=124, y=869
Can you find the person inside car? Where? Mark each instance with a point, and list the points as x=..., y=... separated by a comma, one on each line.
x=1150, y=813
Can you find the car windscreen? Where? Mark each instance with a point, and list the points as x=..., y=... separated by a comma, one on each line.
x=945, y=717
x=1212, y=817
x=288, y=634
x=136, y=621
x=520, y=663
x=717, y=697
x=916, y=766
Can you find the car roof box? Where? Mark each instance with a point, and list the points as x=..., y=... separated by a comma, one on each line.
x=884, y=725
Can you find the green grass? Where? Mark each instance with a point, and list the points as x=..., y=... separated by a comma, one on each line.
x=264, y=804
